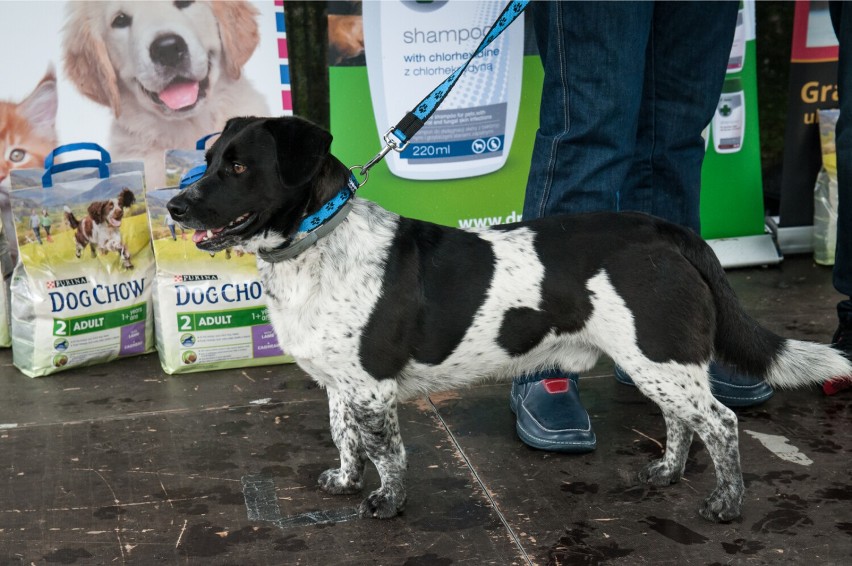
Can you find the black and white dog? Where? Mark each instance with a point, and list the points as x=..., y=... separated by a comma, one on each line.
x=382, y=308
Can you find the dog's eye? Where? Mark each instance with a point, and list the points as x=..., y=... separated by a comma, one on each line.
x=121, y=20
x=239, y=168
x=181, y=4
x=17, y=155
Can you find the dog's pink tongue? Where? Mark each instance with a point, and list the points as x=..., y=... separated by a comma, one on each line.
x=180, y=95
x=199, y=235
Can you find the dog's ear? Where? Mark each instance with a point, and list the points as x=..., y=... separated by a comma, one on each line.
x=301, y=148
x=239, y=33
x=98, y=210
x=86, y=59
x=126, y=198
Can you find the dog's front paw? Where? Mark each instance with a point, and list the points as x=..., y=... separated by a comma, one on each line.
x=659, y=473
x=724, y=504
x=382, y=504
x=337, y=482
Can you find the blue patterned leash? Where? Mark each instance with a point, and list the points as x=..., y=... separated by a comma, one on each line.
x=397, y=138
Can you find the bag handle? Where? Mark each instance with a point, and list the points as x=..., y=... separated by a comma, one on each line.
x=196, y=172
x=50, y=169
x=201, y=144
x=192, y=175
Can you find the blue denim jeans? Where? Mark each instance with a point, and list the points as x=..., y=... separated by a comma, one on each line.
x=628, y=89
x=841, y=18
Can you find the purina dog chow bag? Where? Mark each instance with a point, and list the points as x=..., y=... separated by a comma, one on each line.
x=81, y=291
x=5, y=276
x=210, y=308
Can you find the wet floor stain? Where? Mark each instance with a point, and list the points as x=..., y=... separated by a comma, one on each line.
x=579, y=487
x=67, y=556
x=787, y=519
x=576, y=548
x=289, y=543
x=427, y=560
x=838, y=492
x=206, y=540
x=743, y=546
x=674, y=531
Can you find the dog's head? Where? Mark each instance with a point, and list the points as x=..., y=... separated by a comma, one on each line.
x=263, y=176
x=166, y=55
x=111, y=211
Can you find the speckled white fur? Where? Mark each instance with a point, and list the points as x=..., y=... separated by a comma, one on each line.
x=320, y=303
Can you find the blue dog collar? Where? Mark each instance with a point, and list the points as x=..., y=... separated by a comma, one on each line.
x=330, y=208
x=315, y=226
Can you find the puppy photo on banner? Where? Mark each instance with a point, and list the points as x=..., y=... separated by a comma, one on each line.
x=137, y=78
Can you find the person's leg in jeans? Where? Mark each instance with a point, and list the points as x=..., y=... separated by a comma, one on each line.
x=579, y=158
x=841, y=19
x=682, y=89
x=593, y=54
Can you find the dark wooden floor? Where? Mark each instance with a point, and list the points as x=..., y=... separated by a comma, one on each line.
x=121, y=464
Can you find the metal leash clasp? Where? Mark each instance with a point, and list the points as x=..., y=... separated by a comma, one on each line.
x=392, y=143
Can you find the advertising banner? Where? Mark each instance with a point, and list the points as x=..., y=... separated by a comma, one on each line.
x=731, y=180
x=468, y=166
x=813, y=86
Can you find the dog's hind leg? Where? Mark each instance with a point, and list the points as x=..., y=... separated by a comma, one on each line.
x=94, y=250
x=349, y=477
x=374, y=409
x=683, y=393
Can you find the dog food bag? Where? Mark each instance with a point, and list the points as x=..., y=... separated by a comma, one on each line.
x=210, y=308
x=826, y=191
x=6, y=273
x=82, y=288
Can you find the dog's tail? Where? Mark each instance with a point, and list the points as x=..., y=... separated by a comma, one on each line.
x=742, y=342
x=69, y=216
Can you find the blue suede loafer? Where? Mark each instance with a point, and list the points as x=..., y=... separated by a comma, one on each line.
x=550, y=415
x=729, y=388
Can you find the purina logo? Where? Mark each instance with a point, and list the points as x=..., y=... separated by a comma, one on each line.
x=191, y=278
x=66, y=282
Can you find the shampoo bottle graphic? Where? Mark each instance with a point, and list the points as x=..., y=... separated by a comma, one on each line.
x=411, y=47
x=738, y=48
x=729, y=120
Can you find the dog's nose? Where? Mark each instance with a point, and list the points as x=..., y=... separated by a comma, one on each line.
x=177, y=210
x=168, y=50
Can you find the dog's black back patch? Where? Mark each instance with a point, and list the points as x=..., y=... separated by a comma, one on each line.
x=674, y=315
x=435, y=280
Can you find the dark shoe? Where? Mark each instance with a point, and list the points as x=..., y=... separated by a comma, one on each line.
x=550, y=415
x=842, y=341
x=730, y=389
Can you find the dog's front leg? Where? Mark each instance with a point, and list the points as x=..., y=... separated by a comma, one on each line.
x=125, y=257
x=375, y=413
x=349, y=477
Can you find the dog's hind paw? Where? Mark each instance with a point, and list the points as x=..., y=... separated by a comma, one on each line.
x=382, y=504
x=722, y=505
x=659, y=473
x=336, y=482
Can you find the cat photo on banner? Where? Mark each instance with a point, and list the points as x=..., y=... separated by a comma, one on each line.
x=27, y=135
